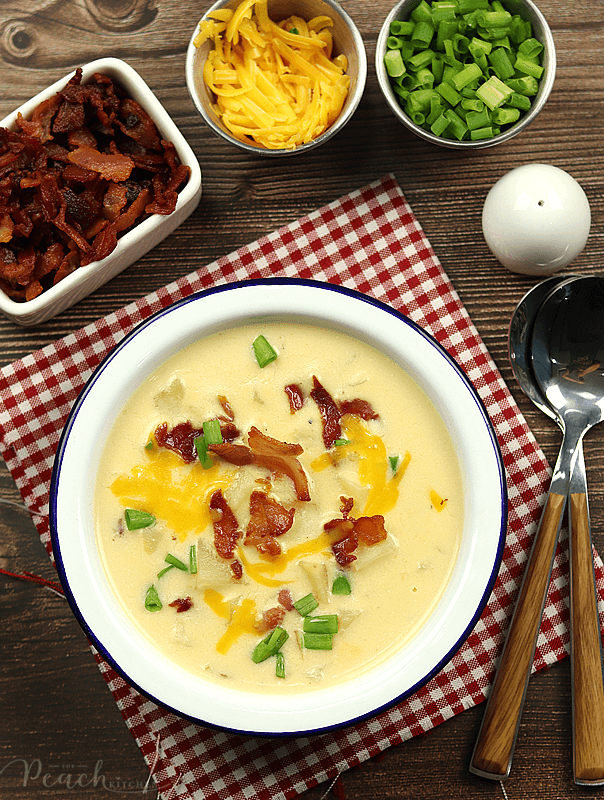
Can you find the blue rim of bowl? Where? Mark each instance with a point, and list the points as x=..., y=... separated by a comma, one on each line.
x=230, y=287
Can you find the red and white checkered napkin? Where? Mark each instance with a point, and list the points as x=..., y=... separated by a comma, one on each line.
x=370, y=241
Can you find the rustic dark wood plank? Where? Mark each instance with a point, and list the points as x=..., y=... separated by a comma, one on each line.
x=57, y=712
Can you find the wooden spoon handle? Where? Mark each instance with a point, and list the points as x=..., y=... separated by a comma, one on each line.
x=588, y=687
x=492, y=757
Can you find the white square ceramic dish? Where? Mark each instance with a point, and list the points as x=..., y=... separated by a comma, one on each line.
x=136, y=242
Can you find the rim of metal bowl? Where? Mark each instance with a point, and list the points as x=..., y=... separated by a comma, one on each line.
x=343, y=118
x=544, y=35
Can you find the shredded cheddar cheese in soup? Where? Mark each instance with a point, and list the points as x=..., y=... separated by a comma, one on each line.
x=277, y=84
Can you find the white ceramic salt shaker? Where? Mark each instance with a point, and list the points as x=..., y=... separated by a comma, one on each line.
x=536, y=219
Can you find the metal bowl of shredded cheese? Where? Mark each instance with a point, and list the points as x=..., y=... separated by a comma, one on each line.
x=276, y=77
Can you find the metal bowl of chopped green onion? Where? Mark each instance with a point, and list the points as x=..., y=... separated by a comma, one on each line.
x=466, y=74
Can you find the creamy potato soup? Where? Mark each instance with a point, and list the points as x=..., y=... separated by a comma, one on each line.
x=284, y=526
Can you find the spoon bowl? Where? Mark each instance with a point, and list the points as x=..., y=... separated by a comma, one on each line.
x=568, y=351
x=519, y=339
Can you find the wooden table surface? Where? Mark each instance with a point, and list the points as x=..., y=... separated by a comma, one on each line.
x=57, y=716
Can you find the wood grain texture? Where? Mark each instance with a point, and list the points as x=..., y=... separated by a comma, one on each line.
x=494, y=749
x=56, y=710
x=586, y=653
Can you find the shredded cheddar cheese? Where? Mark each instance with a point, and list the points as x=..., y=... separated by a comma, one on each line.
x=275, y=84
x=437, y=501
x=169, y=490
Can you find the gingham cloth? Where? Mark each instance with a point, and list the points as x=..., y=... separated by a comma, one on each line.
x=368, y=240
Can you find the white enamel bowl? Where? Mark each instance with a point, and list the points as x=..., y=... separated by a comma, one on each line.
x=74, y=476
x=142, y=237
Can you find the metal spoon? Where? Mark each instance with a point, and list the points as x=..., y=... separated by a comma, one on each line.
x=494, y=748
x=568, y=362
x=588, y=720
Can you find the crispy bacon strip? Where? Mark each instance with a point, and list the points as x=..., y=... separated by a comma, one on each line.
x=280, y=457
x=226, y=527
x=285, y=599
x=138, y=125
x=181, y=439
x=330, y=413
x=237, y=454
x=111, y=166
x=181, y=604
x=268, y=519
x=346, y=540
x=270, y=619
x=295, y=395
x=349, y=532
x=38, y=125
x=360, y=408
x=114, y=200
x=229, y=414
x=276, y=456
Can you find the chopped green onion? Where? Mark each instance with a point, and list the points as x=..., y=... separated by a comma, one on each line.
x=440, y=125
x=493, y=92
x=443, y=9
x=494, y=19
x=421, y=59
x=467, y=6
x=422, y=12
x=394, y=63
x=456, y=125
x=502, y=66
x=163, y=571
x=306, y=604
x=152, y=601
x=341, y=585
x=527, y=85
x=149, y=445
x=528, y=67
x=466, y=76
x=478, y=134
x=136, y=519
x=318, y=641
x=342, y=442
x=505, y=116
x=176, y=562
x=520, y=101
x=280, y=665
x=399, y=28
x=322, y=623
x=270, y=645
x=478, y=119
x=530, y=48
x=263, y=351
x=393, y=460
x=446, y=30
x=211, y=432
x=202, y=451
x=448, y=93
x=193, y=559
x=422, y=33
x=474, y=50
